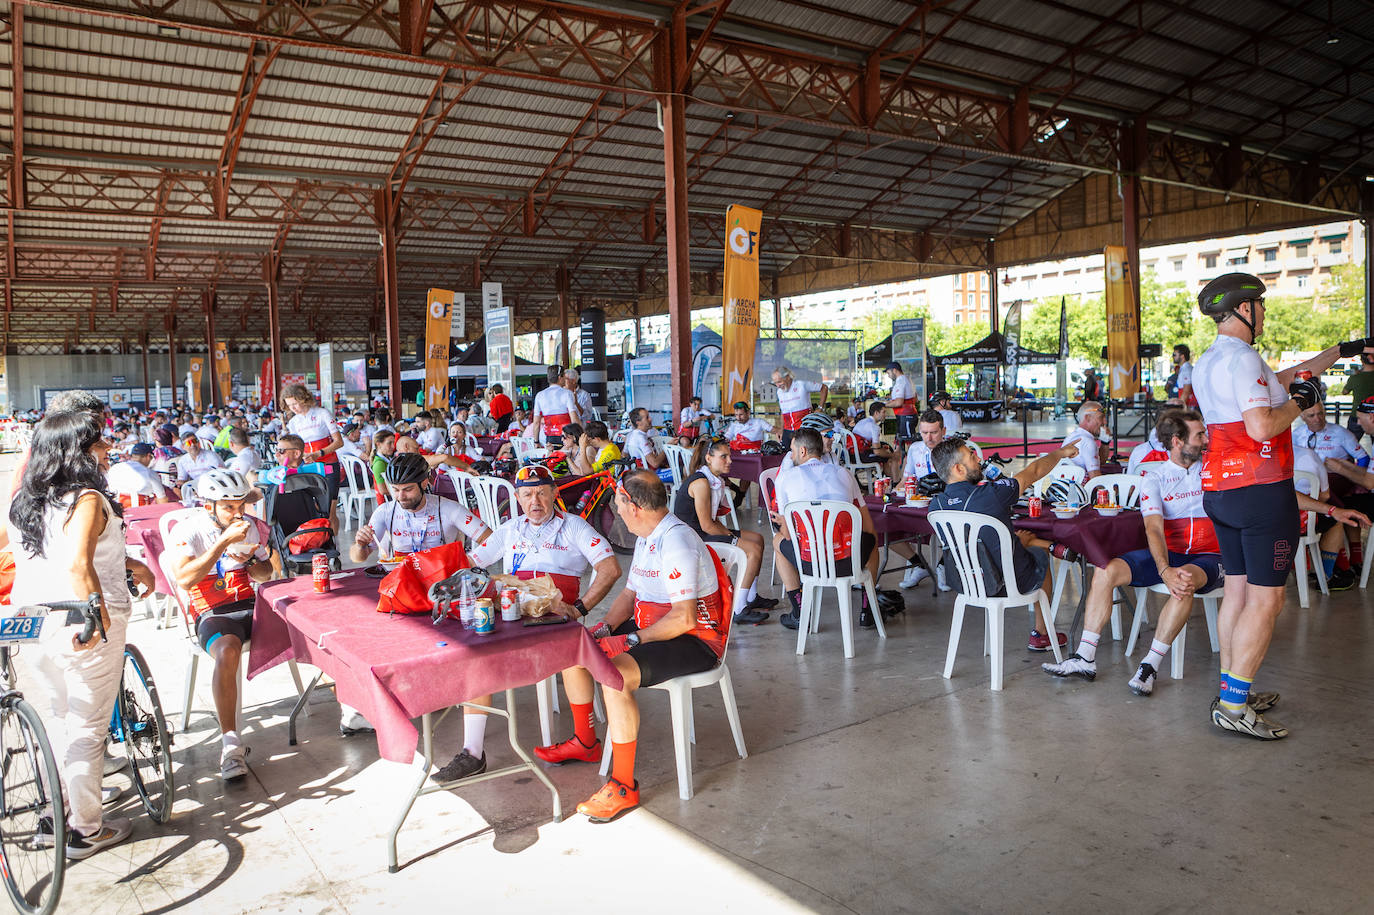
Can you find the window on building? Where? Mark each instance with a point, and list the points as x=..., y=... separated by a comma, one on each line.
x=1300, y=249
x=1209, y=261
x=972, y=300
x=1237, y=261
x=1177, y=264
x=985, y=301
x=1271, y=255
x=958, y=317
x=1304, y=280
x=1334, y=245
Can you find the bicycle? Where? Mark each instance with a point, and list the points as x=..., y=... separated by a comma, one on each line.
x=33, y=832
x=597, y=504
x=137, y=722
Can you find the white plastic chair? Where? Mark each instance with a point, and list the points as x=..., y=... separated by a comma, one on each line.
x=1309, y=542
x=679, y=690
x=193, y=649
x=1209, y=598
x=356, y=496
x=1123, y=487
x=679, y=460
x=1064, y=470
x=959, y=532
x=527, y=448
x=819, y=521
x=768, y=486
x=489, y=492
x=473, y=446
x=845, y=448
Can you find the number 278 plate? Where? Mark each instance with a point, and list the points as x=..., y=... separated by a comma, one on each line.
x=20, y=628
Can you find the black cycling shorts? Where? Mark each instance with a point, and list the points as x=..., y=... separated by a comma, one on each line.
x=661, y=661
x=1257, y=527
x=234, y=619
x=906, y=427
x=843, y=567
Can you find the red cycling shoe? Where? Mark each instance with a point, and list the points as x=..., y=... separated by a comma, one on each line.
x=570, y=750
x=611, y=801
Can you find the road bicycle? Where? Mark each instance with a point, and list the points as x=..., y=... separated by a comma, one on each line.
x=137, y=722
x=596, y=504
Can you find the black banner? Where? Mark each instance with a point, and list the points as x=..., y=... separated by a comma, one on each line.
x=592, y=356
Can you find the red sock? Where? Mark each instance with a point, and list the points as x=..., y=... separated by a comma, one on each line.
x=583, y=724
x=1342, y=561
x=623, y=763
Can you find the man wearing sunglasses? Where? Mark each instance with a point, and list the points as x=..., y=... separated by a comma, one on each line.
x=542, y=540
x=197, y=460
x=1084, y=437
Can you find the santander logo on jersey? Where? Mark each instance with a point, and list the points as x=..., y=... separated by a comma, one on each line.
x=1263, y=381
x=674, y=575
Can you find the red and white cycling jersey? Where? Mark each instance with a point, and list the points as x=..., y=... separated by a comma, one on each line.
x=1175, y=493
x=555, y=406
x=747, y=435
x=1147, y=452
x=1229, y=379
x=903, y=391
x=795, y=402
x=435, y=522
x=316, y=427
x=563, y=547
x=818, y=480
x=194, y=536
x=1332, y=441
x=868, y=432
x=672, y=564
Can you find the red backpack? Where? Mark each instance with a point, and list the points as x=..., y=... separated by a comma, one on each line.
x=309, y=536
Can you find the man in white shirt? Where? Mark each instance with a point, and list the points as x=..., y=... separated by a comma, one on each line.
x=196, y=461
x=941, y=401
x=572, y=380
x=689, y=422
x=245, y=460
x=554, y=408
x=794, y=400
x=1150, y=451
x=1084, y=437
x=811, y=479
x=640, y=446
x=133, y=481
x=902, y=400
x=745, y=433
x=351, y=447
x=429, y=439
x=932, y=432
x=1328, y=439
x=872, y=448
x=1183, y=380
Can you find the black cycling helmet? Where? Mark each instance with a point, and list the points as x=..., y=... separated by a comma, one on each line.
x=773, y=448
x=939, y=397
x=1366, y=405
x=818, y=421
x=406, y=468
x=1223, y=295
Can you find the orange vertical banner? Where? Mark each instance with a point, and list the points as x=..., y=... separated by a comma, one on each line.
x=438, y=330
x=1123, y=326
x=193, y=395
x=741, y=328
x=222, y=373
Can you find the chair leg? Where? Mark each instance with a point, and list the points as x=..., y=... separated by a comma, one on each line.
x=238, y=691
x=873, y=605
x=846, y=619
x=804, y=624
x=1053, y=633
x=606, y=756
x=679, y=698
x=296, y=678
x=1301, y=570
x=1209, y=610
x=1141, y=595
x=1117, y=599
x=1320, y=569
x=598, y=704
x=1061, y=575
x=727, y=695
x=956, y=627
x=1368, y=562
x=1176, y=653
x=995, y=625
x=193, y=663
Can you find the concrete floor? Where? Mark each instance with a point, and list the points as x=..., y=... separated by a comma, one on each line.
x=872, y=785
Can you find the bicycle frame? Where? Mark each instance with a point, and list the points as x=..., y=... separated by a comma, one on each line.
x=605, y=481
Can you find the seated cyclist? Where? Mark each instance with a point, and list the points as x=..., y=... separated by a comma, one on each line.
x=872, y=448
x=542, y=540
x=217, y=555
x=644, y=449
x=598, y=437
x=701, y=504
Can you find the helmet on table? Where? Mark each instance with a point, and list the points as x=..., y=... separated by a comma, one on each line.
x=772, y=447
x=1060, y=491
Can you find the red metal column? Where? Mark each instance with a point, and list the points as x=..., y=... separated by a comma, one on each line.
x=563, y=282
x=1133, y=152
x=270, y=267
x=207, y=303
x=391, y=295
x=17, y=111
x=671, y=59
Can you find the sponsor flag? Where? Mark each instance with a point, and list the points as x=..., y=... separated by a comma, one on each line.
x=266, y=387
x=438, y=331
x=1063, y=327
x=741, y=328
x=222, y=374
x=1061, y=372
x=1123, y=326
x=1011, y=339
x=193, y=382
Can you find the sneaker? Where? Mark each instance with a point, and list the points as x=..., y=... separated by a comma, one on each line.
x=1143, y=683
x=114, y=763
x=43, y=834
x=570, y=750
x=751, y=617
x=1341, y=580
x=1262, y=702
x=109, y=794
x=790, y=620
x=1040, y=642
x=1249, y=722
x=611, y=801
x=463, y=765
x=1059, y=551
x=111, y=832
x=760, y=602
x=1072, y=666
x=914, y=576
x=351, y=721
x=940, y=578
x=232, y=765
x=866, y=619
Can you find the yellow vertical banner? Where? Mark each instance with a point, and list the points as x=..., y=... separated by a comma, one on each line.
x=193, y=395
x=222, y=374
x=741, y=328
x=1123, y=326
x=438, y=330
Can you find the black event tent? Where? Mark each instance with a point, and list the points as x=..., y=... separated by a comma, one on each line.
x=991, y=350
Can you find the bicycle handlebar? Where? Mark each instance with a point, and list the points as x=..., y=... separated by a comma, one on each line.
x=79, y=611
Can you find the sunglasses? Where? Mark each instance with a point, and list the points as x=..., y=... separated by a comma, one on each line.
x=286, y=450
x=537, y=473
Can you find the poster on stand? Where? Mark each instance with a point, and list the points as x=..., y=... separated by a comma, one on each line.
x=326, y=364
x=1123, y=326
x=222, y=373
x=909, y=348
x=741, y=292
x=498, y=322
x=193, y=383
x=444, y=306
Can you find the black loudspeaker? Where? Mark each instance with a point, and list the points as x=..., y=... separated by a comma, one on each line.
x=1146, y=351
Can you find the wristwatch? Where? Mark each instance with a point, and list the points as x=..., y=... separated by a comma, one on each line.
x=581, y=608
x=632, y=640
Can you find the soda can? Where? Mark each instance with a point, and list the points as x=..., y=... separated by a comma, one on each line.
x=1103, y=498
x=1304, y=375
x=1034, y=506
x=510, y=604
x=319, y=573
x=483, y=618
x=909, y=484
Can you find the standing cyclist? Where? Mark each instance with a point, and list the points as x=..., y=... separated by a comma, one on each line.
x=1247, y=482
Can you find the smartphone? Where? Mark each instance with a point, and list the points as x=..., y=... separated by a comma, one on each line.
x=551, y=619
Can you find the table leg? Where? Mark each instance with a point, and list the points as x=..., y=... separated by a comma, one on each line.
x=427, y=758
x=296, y=709
x=514, y=734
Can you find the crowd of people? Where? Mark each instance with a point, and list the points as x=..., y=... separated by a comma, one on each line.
x=1218, y=499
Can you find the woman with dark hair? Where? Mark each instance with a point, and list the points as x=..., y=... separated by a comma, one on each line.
x=68, y=538
x=700, y=503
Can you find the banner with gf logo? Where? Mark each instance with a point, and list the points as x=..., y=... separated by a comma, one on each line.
x=222, y=373
x=1123, y=326
x=741, y=326
x=439, y=317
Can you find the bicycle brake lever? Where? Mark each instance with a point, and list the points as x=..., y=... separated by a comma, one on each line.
x=94, y=620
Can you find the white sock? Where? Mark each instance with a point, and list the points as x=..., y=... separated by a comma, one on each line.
x=1087, y=645
x=753, y=590
x=741, y=598
x=231, y=740
x=1158, y=650
x=474, y=733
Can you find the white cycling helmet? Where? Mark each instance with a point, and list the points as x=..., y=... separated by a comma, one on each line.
x=222, y=484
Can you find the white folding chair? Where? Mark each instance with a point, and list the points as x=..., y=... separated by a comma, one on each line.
x=1309, y=542
x=489, y=493
x=679, y=690
x=472, y=445
x=679, y=460
x=1064, y=470
x=819, y=523
x=193, y=649
x=845, y=447
x=1209, y=598
x=1124, y=488
x=768, y=485
x=355, y=492
x=527, y=448
x=959, y=535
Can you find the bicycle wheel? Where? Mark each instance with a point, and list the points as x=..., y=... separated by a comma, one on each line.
x=147, y=741
x=33, y=862
x=610, y=525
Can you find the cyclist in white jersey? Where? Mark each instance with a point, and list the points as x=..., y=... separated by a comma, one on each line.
x=554, y=408
x=414, y=520
x=671, y=619
x=931, y=429
x=1247, y=481
x=1327, y=439
x=133, y=481
x=794, y=400
x=1084, y=437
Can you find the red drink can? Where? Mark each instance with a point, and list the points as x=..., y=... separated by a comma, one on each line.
x=319, y=573
x=1103, y=497
x=1304, y=375
x=910, y=484
x=510, y=604
x=1034, y=506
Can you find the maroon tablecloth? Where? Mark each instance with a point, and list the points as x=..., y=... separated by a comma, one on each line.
x=150, y=512
x=748, y=467
x=1099, y=539
x=396, y=668
x=490, y=444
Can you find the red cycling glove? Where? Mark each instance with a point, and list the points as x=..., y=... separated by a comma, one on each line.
x=613, y=645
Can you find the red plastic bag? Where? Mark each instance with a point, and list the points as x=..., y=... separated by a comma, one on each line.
x=309, y=536
x=405, y=589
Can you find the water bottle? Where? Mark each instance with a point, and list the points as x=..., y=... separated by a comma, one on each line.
x=582, y=502
x=991, y=471
x=467, y=605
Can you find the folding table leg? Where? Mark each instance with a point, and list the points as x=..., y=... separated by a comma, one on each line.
x=427, y=758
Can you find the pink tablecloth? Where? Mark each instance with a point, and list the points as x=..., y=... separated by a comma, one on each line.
x=150, y=512
x=748, y=467
x=396, y=668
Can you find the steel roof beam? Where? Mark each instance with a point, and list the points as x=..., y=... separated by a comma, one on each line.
x=258, y=60
x=16, y=30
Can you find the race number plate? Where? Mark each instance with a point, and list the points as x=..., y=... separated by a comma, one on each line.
x=20, y=628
